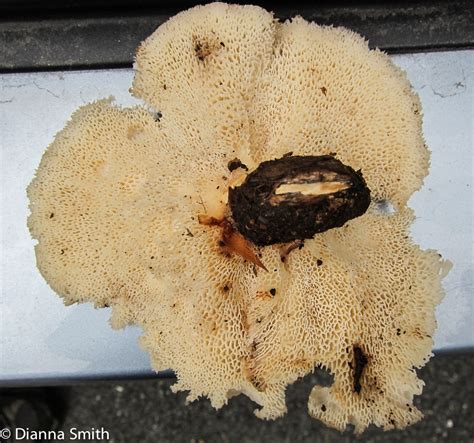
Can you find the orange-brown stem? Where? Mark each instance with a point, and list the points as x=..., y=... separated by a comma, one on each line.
x=232, y=241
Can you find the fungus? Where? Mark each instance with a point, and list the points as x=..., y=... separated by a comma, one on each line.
x=147, y=217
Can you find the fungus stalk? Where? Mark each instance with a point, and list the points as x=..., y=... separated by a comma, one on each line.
x=289, y=200
x=293, y=198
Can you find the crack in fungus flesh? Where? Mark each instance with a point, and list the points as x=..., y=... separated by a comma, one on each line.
x=360, y=361
x=226, y=228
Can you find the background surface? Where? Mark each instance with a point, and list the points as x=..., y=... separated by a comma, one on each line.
x=147, y=411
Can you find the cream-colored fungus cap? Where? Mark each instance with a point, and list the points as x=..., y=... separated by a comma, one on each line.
x=116, y=201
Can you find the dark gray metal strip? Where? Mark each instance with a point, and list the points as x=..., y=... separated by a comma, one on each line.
x=76, y=39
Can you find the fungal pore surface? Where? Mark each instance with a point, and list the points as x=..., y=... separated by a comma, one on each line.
x=204, y=216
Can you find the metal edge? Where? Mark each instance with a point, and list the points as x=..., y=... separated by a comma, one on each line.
x=91, y=39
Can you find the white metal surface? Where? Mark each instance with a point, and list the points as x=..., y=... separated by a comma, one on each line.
x=41, y=339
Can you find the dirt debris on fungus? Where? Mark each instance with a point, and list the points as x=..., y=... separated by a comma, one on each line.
x=236, y=163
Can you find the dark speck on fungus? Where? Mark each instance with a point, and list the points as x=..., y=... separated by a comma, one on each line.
x=202, y=50
x=288, y=247
x=235, y=164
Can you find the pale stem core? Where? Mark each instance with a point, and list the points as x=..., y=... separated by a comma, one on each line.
x=318, y=188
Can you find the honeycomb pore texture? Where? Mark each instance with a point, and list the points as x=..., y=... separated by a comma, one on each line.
x=116, y=200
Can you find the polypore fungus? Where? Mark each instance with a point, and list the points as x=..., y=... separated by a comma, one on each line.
x=202, y=229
